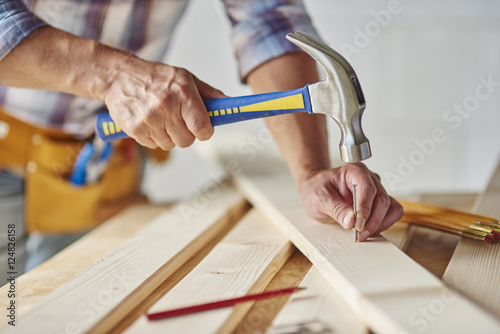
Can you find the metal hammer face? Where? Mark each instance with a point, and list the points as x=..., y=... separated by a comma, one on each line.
x=339, y=96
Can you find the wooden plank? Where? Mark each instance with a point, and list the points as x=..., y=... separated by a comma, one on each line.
x=168, y=284
x=380, y=283
x=98, y=298
x=399, y=235
x=474, y=268
x=73, y=260
x=432, y=249
x=242, y=263
x=262, y=313
x=319, y=303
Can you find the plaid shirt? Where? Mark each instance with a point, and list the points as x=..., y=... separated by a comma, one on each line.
x=144, y=27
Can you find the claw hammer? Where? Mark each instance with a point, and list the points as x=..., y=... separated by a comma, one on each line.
x=339, y=96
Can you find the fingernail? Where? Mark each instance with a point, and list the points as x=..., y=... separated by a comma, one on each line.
x=360, y=223
x=363, y=224
x=364, y=235
x=348, y=219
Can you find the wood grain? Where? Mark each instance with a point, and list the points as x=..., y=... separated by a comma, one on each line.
x=242, y=263
x=169, y=283
x=432, y=248
x=262, y=313
x=73, y=260
x=98, y=298
x=399, y=235
x=319, y=303
x=378, y=281
x=474, y=268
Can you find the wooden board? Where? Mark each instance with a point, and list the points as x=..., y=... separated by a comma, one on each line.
x=97, y=299
x=242, y=263
x=433, y=248
x=399, y=235
x=379, y=282
x=319, y=303
x=474, y=268
x=41, y=281
x=262, y=313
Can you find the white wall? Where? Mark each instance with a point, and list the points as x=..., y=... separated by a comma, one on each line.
x=414, y=66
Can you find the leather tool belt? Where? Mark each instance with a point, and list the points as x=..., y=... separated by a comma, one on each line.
x=52, y=203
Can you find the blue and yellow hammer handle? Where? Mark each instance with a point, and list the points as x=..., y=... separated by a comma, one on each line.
x=230, y=110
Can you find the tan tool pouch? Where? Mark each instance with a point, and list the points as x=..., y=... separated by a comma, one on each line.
x=52, y=203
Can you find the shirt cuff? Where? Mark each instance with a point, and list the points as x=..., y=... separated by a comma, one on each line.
x=16, y=23
x=263, y=37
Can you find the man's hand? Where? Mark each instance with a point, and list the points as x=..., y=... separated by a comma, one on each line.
x=327, y=194
x=160, y=105
x=303, y=139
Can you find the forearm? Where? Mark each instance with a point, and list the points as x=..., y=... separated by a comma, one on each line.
x=302, y=138
x=52, y=59
x=156, y=104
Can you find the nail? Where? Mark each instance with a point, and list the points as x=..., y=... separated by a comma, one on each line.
x=364, y=235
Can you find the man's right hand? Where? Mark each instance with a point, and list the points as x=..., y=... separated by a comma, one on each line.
x=160, y=105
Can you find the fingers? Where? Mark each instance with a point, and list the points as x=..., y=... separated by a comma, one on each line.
x=161, y=106
x=207, y=91
x=377, y=211
x=366, y=193
x=373, y=209
x=330, y=204
x=328, y=193
x=147, y=142
x=394, y=213
x=323, y=200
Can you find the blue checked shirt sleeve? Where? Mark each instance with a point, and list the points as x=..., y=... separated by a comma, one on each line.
x=16, y=22
x=259, y=29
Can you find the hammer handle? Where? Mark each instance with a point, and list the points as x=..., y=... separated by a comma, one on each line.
x=230, y=110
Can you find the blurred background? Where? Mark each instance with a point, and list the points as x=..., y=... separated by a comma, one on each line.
x=430, y=72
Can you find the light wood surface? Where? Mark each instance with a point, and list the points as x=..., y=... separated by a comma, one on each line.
x=260, y=316
x=169, y=283
x=97, y=298
x=399, y=235
x=474, y=268
x=379, y=282
x=67, y=264
x=242, y=263
x=432, y=248
x=361, y=283
x=319, y=303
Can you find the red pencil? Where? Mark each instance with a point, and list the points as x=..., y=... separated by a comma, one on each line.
x=219, y=304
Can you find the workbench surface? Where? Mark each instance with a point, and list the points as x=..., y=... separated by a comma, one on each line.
x=432, y=249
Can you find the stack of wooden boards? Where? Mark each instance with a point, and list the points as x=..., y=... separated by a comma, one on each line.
x=217, y=245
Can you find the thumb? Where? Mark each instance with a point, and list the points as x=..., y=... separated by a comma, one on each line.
x=333, y=206
x=207, y=91
x=343, y=214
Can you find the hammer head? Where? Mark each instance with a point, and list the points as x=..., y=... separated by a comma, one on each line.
x=339, y=96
